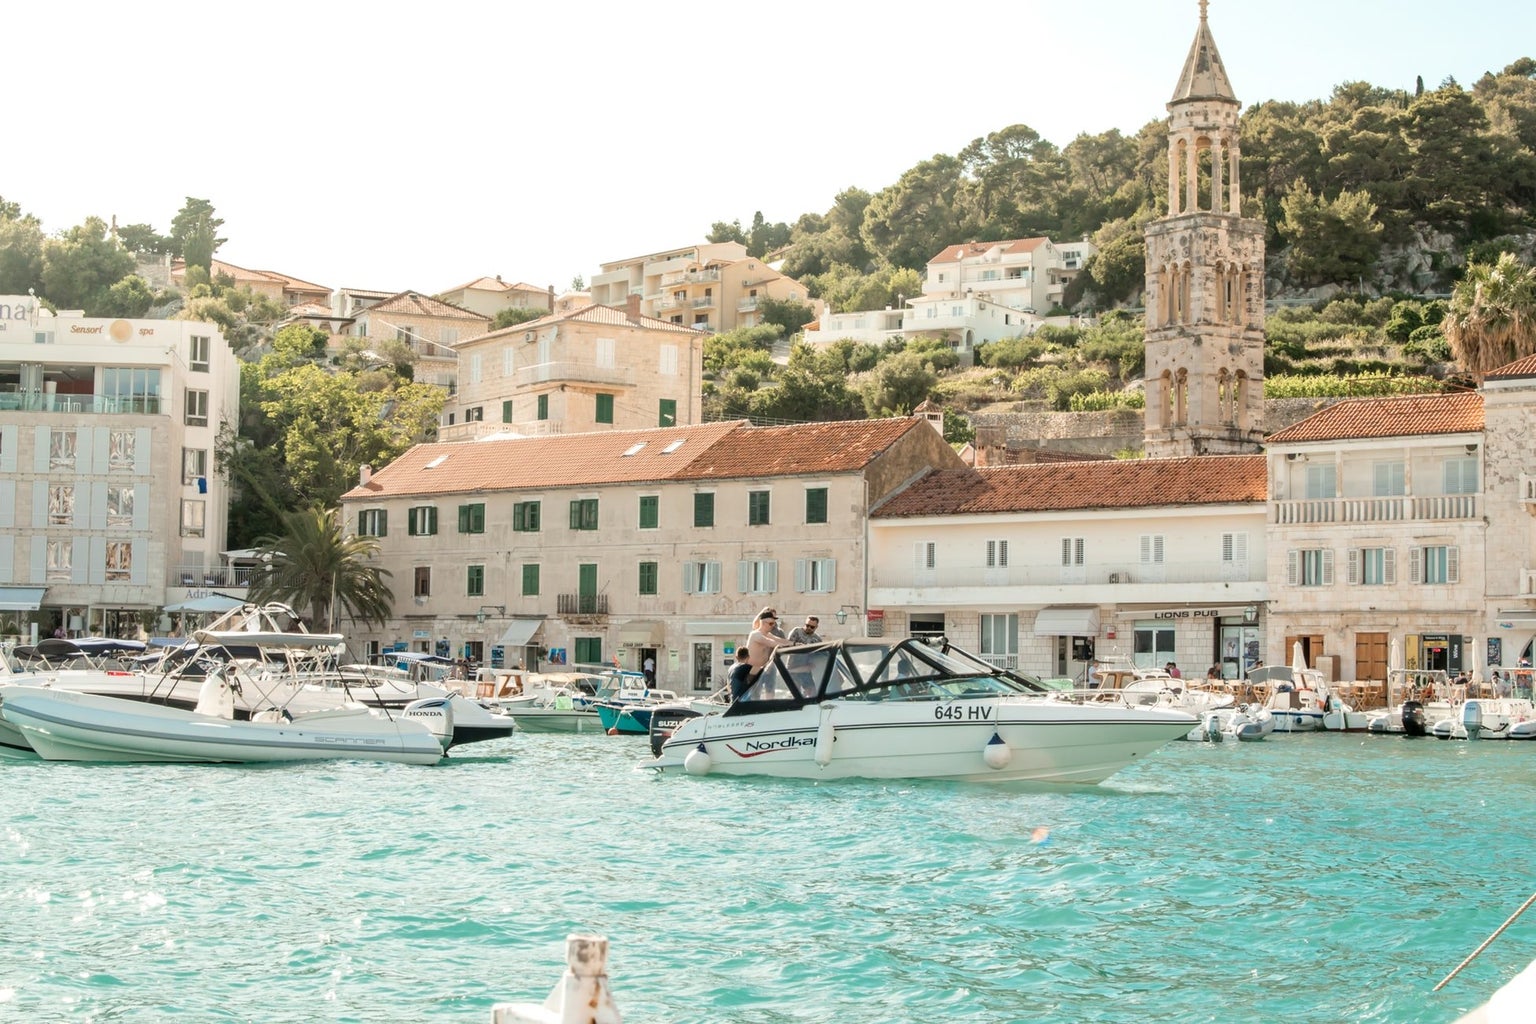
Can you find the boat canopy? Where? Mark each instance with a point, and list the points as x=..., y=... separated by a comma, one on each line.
x=238, y=638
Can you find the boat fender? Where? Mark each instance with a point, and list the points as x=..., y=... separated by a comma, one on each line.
x=698, y=761
x=996, y=753
x=826, y=735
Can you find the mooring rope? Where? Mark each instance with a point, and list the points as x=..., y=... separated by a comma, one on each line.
x=1473, y=956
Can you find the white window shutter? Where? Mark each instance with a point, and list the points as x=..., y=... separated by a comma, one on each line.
x=991, y=554
x=8, y=507
x=39, y=558
x=1327, y=567
x=141, y=510
x=40, y=505
x=1415, y=565
x=1146, y=548
x=143, y=452
x=1066, y=551
x=98, y=560
x=744, y=577
x=1353, y=577
x=99, y=450
x=1452, y=564
x=79, y=560
x=1389, y=565
x=802, y=574
x=1077, y=550
x=829, y=574
x=712, y=577
x=771, y=576
x=1292, y=568
x=98, y=508
x=690, y=576
x=42, y=447
x=1157, y=548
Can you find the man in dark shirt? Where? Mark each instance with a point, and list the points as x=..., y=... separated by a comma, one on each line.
x=741, y=673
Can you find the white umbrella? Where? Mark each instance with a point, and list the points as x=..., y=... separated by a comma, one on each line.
x=1394, y=656
x=1475, y=677
x=1298, y=659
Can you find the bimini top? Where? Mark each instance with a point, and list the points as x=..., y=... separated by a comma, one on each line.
x=907, y=670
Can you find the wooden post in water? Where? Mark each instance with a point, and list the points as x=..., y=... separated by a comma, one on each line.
x=581, y=996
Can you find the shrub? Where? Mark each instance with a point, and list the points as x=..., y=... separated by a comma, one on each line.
x=1100, y=401
x=1333, y=386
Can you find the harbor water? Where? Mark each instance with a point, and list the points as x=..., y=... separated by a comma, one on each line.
x=1306, y=878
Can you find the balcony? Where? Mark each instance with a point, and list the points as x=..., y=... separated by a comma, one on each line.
x=592, y=606
x=1092, y=575
x=222, y=577
x=106, y=405
x=586, y=373
x=1430, y=508
x=690, y=277
x=707, y=302
x=471, y=430
x=746, y=305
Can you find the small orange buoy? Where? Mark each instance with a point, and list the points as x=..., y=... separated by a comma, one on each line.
x=613, y=732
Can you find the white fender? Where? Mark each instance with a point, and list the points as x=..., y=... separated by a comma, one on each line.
x=698, y=761
x=826, y=735
x=996, y=753
x=214, y=698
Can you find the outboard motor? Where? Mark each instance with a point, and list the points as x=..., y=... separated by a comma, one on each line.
x=1472, y=718
x=1413, y=719
x=664, y=720
x=436, y=713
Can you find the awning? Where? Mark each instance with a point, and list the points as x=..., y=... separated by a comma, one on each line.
x=641, y=632
x=207, y=604
x=1067, y=622
x=519, y=632
x=21, y=599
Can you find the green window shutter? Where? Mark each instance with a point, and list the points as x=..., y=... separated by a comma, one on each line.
x=530, y=579
x=543, y=407
x=703, y=509
x=757, y=508
x=464, y=518
x=362, y=523
x=412, y=526
x=383, y=522
x=506, y=411
x=649, y=575
x=604, y=409
x=475, y=584
x=576, y=514
x=668, y=415
x=477, y=518
x=816, y=505
x=650, y=512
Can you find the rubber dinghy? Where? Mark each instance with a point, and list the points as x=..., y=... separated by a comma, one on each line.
x=913, y=710
x=62, y=725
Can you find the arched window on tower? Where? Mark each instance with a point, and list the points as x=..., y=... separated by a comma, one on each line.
x=1165, y=400
x=1181, y=398
x=1239, y=400
x=1223, y=394
x=1184, y=290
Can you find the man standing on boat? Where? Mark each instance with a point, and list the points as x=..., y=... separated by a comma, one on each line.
x=806, y=634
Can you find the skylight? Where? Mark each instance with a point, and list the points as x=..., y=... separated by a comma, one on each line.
x=436, y=462
x=674, y=446
x=634, y=449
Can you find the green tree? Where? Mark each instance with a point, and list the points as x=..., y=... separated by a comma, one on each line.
x=21, y=250
x=764, y=237
x=902, y=221
x=1492, y=315
x=723, y=231
x=129, y=297
x=789, y=316
x=1329, y=241
x=899, y=384
x=81, y=265
x=315, y=565
x=194, y=233
x=143, y=240
x=516, y=315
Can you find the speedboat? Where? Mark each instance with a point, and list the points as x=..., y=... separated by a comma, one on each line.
x=1247, y=723
x=913, y=710
x=1416, y=700
x=1149, y=686
x=628, y=712
x=1487, y=718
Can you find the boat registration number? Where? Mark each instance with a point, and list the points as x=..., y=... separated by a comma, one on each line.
x=967, y=712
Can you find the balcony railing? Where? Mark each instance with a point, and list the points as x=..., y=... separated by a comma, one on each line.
x=581, y=604
x=1093, y=574
x=106, y=405
x=746, y=305
x=1376, y=510
x=590, y=373
x=196, y=577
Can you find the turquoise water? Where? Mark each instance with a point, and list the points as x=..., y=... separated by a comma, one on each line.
x=1310, y=878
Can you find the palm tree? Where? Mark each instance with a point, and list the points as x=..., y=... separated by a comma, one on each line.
x=315, y=565
x=1492, y=315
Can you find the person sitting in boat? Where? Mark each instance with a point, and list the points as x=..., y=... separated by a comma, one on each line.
x=741, y=673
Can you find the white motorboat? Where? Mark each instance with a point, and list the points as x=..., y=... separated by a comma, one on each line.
x=1416, y=700
x=908, y=710
x=1145, y=686
x=1245, y=724
x=1488, y=718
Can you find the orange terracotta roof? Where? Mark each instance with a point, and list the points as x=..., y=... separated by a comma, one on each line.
x=298, y=283
x=1525, y=367
x=970, y=250
x=1396, y=416
x=594, y=314
x=417, y=304
x=801, y=449
x=493, y=284
x=1069, y=486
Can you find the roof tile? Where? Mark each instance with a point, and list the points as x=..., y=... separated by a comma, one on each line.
x=1525, y=367
x=1395, y=416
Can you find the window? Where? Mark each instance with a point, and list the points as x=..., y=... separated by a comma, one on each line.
x=816, y=575
x=422, y=584
x=667, y=416
x=474, y=414
x=925, y=556
x=757, y=576
x=589, y=650
x=815, y=504
x=61, y=448
x=1234, y=556
x=196, y=408
x=757, y=508
x=373, y=522
x=1151, y=549
x=525, y=517
x=476, y=368
x=1435, y=563
x=130, y=389
x=120, y=449
x=119, y=561
x=1461, y=476
x=667, y=367
x=584, y=514
x=199, y=348
x=997, y=554
x=1152, y=645
x=506, y=411
x=1000, y=639
x=650, y=511
x=119, y=506
x=1321, y=481
x=1388, y=479
x=60, y=559
x=606, y=352
x=701, y=577
x=542, y=412
x=604, y=412
x=194, y=465
x=704, y=508
x=474, y=580
x=193, y=515
x=1071, y=551
x=530, y=579
x=508, y=360
x=649, y=576
x=421, y=521
x=1309, y=567
x=1373, y=567
x=61, y=504
x=472, y=518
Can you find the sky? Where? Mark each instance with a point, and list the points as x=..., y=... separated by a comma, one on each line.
x=394, y=146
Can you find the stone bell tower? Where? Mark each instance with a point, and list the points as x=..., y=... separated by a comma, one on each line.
x=1205, y=278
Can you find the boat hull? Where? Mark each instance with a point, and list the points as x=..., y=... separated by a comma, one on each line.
x=1046, y=741
x=556, y=720
x=67, y=726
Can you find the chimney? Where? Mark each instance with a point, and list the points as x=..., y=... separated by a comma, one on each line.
x=632, y=306
x=498, y=279
x=364, y=474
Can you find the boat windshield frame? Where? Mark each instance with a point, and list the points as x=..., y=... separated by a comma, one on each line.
x=874, y=670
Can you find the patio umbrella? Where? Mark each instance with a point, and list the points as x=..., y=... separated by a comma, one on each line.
x=1298, y=659
x=1394, y=656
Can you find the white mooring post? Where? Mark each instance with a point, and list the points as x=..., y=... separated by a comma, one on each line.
x=581, y=996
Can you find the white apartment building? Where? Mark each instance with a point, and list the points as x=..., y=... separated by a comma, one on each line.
x=110, y=506
x=713, y=287
x=1044, y=567
x=1028, y=274
x=1509, y=503
x=665, y=542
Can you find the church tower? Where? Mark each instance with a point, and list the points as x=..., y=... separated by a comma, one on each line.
x=1205, y=278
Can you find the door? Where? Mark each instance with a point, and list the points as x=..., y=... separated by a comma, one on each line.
x=586, y=588
x=1311, y=648
x=1371, y=656
x=703, y=667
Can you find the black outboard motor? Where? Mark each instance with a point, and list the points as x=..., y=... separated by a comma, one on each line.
x=664, y=720
x=1413, y=719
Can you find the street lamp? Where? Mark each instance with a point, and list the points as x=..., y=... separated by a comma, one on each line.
x=842, y=613
x=500, y=609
